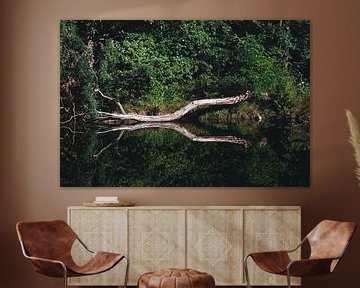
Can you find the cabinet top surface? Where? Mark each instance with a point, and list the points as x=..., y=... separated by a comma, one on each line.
x=192, y=207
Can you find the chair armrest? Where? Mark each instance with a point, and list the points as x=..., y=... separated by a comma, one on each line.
x=309, y=267
x=298, y=246
x=83, y=244
x=271, y=261
x=46, y=260
x=268, y=254
x=48, y=267
x=280, y=251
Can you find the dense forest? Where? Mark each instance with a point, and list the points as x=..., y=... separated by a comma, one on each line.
x=156, y=67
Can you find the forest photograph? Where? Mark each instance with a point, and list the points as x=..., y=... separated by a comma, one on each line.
x=184, y=103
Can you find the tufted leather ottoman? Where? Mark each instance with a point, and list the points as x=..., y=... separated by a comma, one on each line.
x=176, y=278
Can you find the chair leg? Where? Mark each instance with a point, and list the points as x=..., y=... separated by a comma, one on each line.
x=288, y=278
x=65, y=276
x=126, y=271
x=246, y=270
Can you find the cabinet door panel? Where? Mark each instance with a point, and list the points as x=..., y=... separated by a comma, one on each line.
x=100, y=230
x=209, y=239
x=270, y=230
x=156, y=240
x=214, y=244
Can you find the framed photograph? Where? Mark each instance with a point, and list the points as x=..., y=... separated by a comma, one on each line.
x=184, y=103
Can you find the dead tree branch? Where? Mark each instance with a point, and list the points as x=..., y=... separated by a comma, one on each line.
x=112, y=99
x=71, y=118
x=177, y=114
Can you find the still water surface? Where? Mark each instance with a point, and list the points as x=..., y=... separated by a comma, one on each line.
x=260, y=156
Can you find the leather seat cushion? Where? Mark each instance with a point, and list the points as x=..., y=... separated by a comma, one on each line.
x=176, y=278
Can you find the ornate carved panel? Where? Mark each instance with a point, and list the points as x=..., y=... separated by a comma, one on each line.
x=101, y=230
x=214, y=241
x=267, y=230
x=209, y=239
x=156, y=240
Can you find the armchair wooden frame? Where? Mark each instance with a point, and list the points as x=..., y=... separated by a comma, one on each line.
x=321, y=261
x=100, y=261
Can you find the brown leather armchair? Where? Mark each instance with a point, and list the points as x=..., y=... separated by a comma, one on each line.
x=328, y=242
x=48, y=245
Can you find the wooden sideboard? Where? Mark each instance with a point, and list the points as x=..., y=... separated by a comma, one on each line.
x=211, y=239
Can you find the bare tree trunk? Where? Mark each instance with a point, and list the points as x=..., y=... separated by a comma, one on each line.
x=112, y=99
x=177, y=114
x=182, y=130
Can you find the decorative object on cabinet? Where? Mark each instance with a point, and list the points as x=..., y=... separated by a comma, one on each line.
x=184, y=103
x=176, y=278
x=204, y=238
x=48, y=245
x=109, y=204
x=106, y=199
x=328, y=242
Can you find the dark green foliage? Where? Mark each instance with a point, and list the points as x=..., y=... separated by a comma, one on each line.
x=77, y=77
x=288, y=39
x=157, y=66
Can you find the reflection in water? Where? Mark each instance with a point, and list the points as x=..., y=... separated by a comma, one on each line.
x=182, y=130
x=173, y=126
x=169, y=155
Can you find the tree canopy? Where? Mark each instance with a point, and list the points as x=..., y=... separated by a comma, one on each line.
x=154, y=66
